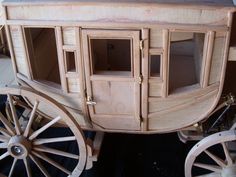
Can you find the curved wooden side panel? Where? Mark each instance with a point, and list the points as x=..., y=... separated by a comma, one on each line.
x=173, y=114
x=72, y=102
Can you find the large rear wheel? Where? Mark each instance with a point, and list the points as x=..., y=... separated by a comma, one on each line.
x=39, y=144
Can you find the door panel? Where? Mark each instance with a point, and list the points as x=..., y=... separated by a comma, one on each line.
x=114, y=97
x=112, y=69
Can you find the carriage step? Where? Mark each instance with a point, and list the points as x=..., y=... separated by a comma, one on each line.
x=93, y=149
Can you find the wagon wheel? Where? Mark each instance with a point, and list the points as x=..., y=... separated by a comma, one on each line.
x=220, y=165
x=32, y=146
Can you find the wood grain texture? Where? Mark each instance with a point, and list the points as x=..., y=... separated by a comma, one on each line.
x=69, y=36
x=19, y=52
x=119, y=13
x=217, y=58
x=232, y=54
x=178, y=119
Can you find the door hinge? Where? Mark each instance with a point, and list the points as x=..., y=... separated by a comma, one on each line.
x=140, y=79
x=141, y=45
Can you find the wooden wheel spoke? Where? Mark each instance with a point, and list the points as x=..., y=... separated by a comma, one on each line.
x=3, y=145
x=31, y=119
x=12, y=167
x=13, y=112
x=3, y=156
x=53, y=140
x=27, y=167
x=42, y=129
x=39, y=165
x=7, y=124
x=4, y=138
x=5, y=132
x=219, y=161
x=227, y=154
x=50, y=161
x=212, y=168
x=56, y=152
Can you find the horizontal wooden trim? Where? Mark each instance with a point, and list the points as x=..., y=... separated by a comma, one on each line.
x=118, y=25
x=144, y=4
x=43, y=87
x=192, y=93
x=184, y=105
x=156, y=51
x=111, y=78
x=69, y=48
x=155, y=80
x=72, y=75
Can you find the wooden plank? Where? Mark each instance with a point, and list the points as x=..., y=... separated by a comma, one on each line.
x=206, y=69
x=177, y=119
x=69, y=36
x=137, y=2
x=156, y=38
x=7, y=76
x=232, y=54
x=165, y=61
x=128, y=14
x=217, y=58
x=61, y=59
x=19, y=52
x=73, y=85
x=145, y=73
x=155, y=89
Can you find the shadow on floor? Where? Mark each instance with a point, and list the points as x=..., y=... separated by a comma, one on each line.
x=125, y=155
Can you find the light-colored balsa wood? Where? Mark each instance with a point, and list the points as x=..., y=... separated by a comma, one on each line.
x=145, y=75
x=19, y=51
x=7, y=76
x=208, y=59
x=165, y=61
x=154, y=14
x=156, y=38
x=69, y=36
x=73, y=85
x=232, y=54
x=217, y=58
x=113, y=100
x=177, y=118
x=162, y=104
x=155, y=89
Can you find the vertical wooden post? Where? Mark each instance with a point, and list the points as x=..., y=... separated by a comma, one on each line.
x=61, y=59
x=81, y=76
x=208, y=59
x=145, y=73
x=166, y=46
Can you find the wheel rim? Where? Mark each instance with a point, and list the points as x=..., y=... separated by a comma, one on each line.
x=222, y=167
x=26, y=143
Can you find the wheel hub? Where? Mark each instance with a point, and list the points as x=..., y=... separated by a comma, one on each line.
x=229, y=171
x=19, y=147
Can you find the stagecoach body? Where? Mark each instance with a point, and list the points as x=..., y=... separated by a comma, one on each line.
x=123, y=66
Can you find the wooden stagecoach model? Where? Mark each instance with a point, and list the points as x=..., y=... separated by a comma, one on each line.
x=130, y=66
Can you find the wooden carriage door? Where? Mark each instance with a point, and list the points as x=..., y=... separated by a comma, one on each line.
x=112, y=70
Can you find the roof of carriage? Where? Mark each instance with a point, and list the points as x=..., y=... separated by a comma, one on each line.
x=172, y=2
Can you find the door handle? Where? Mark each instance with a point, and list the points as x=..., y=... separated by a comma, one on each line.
x=90, y=101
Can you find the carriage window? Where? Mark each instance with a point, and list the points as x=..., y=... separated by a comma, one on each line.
x=155, y=65
x=70, y=61
x=42, y=49
x=111, y=56
x=186, y=56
